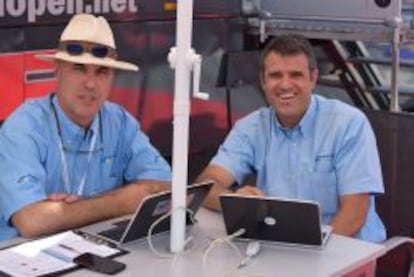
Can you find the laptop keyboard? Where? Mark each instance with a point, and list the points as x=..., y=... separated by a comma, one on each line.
x=113, y=233
x=116, y=232
x=122, y=223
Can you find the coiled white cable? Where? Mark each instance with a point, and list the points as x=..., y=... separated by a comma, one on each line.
x=220, y=241
x=156, y=222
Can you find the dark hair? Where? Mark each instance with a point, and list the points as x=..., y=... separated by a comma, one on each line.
x=289, y=45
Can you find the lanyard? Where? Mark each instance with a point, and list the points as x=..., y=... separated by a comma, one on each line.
x=65, y=166
x=63, y=158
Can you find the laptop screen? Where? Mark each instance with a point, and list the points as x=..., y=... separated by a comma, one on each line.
x=152, y=208
x=273, y=219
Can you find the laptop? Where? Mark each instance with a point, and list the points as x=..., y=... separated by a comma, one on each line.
x=135, y=227
x=278, y=220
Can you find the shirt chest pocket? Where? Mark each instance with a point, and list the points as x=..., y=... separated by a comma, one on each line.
x=324, y=184
x=112, y=176
x=324, y=164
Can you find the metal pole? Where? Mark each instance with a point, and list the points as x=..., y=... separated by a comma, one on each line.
x=395, y=104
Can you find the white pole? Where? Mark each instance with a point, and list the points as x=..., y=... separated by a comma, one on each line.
x=181, y=121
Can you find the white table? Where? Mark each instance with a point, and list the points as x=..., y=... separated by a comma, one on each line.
x=342, y=256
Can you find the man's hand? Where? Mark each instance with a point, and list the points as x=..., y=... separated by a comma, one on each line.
x=65, y=197
x=130, y=195
x=223, y=179
x=249, y=190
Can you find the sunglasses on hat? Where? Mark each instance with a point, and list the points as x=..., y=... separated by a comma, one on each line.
x=76, y=48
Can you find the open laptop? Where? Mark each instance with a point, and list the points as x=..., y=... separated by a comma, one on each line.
x=135, y=227
x=273, y=219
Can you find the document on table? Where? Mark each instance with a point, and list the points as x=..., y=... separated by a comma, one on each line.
x=49, y=255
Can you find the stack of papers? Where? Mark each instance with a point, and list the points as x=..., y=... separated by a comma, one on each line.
x=50, y=255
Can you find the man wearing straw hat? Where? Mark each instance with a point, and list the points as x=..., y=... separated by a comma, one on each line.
x=72, y=158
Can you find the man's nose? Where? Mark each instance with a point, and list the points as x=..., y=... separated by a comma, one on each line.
x=285, y=82
x=90, y=81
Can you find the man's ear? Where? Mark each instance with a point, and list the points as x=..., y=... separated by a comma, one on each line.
x=261, y=80
x=314, y=75
x=55, y=67
x=262, y=87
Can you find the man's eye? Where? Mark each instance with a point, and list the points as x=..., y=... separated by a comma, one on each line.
x=103, y=71
x=297, y=75
x=78, y=67
x=274, y=75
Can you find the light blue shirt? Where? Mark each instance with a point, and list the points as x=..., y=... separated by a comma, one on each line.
x=331, y=152
x=31, y=162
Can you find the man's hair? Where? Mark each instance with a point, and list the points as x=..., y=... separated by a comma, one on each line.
x=289, y=45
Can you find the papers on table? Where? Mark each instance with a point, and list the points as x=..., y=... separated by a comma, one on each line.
x=50, y=255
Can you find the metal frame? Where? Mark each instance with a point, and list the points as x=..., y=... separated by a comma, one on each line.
x=373, y=28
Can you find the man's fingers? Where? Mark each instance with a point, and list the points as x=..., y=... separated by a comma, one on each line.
x=57, y=196
x=249, y=190
x=72, y=198
x=68, y=198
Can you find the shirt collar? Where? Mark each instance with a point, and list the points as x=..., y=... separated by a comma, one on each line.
x=307, y=122
x=70, y=129
x=305, y=125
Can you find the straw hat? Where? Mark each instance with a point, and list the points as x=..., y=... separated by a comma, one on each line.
x=90, y=33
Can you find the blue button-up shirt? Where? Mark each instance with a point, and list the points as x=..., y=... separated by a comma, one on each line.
x=31, y=163
x=331, y=152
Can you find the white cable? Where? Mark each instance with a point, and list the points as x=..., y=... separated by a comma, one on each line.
x=252, y=249
x=220, y=241
x=156, y=222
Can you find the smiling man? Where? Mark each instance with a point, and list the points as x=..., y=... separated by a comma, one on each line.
x=303, y=146
x=72, y=158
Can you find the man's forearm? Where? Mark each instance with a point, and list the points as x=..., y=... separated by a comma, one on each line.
x=222, y=178
x=212, y=201
x=47, y=216
x=352, y=214
x=345, y=225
